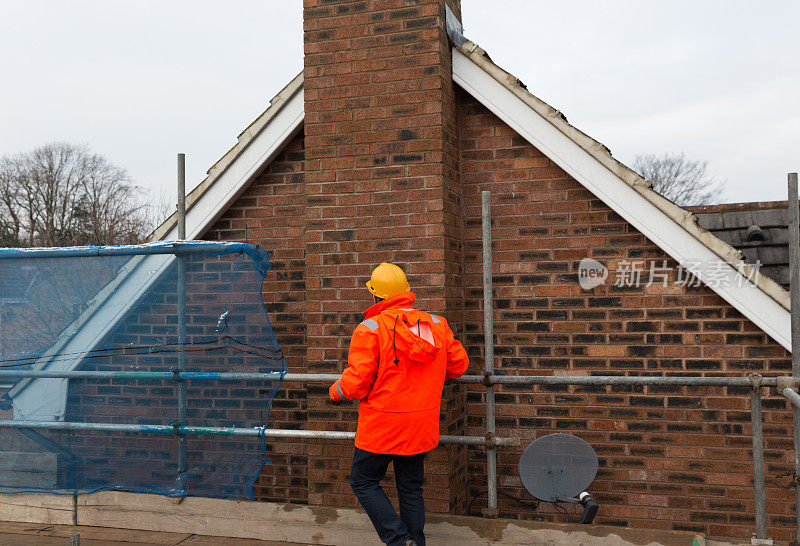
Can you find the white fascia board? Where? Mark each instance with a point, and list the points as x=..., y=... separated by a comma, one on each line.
x=47, y=401
x=651, y=221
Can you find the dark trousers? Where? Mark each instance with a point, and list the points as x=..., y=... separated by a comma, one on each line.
x=365, y=475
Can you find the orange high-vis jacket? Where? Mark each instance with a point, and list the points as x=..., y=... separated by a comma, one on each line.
x=398, y=362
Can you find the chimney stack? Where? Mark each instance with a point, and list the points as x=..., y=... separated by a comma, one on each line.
x=381, y=184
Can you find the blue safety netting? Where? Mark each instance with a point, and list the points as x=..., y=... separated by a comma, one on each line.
x=116, y=309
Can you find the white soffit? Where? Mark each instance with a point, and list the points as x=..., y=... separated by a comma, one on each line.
x=656, y=225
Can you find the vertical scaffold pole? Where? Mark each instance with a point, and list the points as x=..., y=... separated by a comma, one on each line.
x=488, y=329
x=794, y=285
x=180, y=482
x=758, y=457
x=181, y=196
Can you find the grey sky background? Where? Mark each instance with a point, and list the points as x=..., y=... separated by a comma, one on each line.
x=140, y=81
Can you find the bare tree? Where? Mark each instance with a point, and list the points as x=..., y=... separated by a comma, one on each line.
x=61, y=194
x=681, y=180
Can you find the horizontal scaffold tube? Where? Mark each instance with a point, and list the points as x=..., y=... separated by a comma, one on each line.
x=187, y=376
x=330, y=378
x=161, y=247
x=616, y=380
x=791, y=396
x=233, y=431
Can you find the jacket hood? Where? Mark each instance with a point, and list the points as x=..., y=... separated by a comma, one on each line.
x=409, y=339
x=400, y=300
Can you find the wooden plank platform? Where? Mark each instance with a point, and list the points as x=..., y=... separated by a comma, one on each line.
x=45, y=509
x=226, y=520
x=24, y=534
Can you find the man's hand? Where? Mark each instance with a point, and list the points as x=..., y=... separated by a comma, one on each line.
x=333, y=394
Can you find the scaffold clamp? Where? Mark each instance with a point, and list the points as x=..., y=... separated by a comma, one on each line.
x=786, y=382
x=755, y=380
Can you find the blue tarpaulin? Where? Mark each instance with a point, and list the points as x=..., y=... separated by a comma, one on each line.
x=115, y=308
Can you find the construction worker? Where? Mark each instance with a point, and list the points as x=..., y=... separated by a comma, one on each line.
x=399, y=360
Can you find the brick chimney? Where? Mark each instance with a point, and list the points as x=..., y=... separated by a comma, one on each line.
x=381, y=184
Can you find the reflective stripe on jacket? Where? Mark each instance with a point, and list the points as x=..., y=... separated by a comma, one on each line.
x=399, y=359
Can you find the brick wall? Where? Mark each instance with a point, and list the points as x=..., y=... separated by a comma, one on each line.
x=381, y=185
x=672, y=457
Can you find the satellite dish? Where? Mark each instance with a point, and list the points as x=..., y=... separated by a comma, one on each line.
x=557, y=467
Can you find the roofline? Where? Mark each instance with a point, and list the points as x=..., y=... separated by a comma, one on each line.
x=738, y=207
x=669, y=226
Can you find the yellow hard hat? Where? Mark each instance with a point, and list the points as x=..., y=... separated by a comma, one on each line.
x=387, y=280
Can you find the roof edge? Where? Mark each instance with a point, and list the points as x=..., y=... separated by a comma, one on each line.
x=602, y=154
x=746, y=206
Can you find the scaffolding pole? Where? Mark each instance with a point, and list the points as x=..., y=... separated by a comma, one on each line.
x=144, y=249
x=237, y=431
x=758, y=458
x=183, y=465
x=792, y=397
x=616, y=380
x=517, y=380
x=794, y=287
x=488, y=354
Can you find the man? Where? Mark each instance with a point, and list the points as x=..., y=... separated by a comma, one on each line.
x=399, y=360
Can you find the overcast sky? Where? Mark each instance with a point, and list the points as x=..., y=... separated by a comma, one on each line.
x=140, y=81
